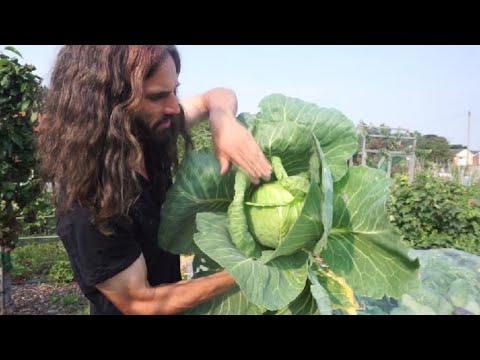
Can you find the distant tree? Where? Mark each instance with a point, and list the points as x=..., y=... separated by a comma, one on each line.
x=457, y=146
x=416, y=134
x=19, y=185
x=440, y=149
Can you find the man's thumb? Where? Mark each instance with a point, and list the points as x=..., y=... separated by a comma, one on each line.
x=224, y=165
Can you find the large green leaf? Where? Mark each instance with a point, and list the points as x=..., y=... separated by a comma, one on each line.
x=273, y=285
x=326, y=201
x=335, y=132
x=237, y=220
x=340, y=294
x=198, y=187
x=319, y=294
x=304, y=304
x=14, y=50
x=231, y=302
x=317, y=208
x=248, y=120
x=363, y=246
x=288, y=141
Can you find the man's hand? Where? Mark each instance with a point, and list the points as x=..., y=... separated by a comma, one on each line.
x=233, y=142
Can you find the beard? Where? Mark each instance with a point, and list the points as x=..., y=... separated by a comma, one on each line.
x=153, y=133
x=156, y=141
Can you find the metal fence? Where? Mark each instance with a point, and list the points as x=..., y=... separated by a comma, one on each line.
x=37, y=238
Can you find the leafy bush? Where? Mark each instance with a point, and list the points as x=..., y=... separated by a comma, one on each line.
x=201, y=138
x=37, y=217
x=42, y=261
x=436, y=213
x=19, y=102
x=61, y=272
x=341, y=235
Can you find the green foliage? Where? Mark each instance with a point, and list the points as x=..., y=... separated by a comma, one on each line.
x=61, y=272
x=66, y=299
x=201, y=138
x=450, y=285
x=340, y=242
x=47, y=262
x=37, y=217
x=436, y=213
x=440, y=149
x=84, y=311
x=19, y=104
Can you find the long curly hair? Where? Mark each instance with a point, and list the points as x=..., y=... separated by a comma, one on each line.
x=88, y=140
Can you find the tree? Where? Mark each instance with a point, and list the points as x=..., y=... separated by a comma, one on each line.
x=19, y=104
x=440, y=149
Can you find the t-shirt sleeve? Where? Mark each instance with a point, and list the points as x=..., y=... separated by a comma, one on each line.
x=98, y=257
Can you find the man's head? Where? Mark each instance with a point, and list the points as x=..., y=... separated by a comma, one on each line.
x=104, y=103
x=160, y=105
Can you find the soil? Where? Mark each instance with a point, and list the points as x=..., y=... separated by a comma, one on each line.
x=32, y=298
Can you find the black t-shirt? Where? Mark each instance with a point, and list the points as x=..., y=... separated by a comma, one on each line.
x=96, y=257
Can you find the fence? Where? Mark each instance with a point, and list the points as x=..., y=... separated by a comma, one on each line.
x=401, y=138
x=37, y=238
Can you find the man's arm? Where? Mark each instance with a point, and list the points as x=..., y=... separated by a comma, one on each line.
x=216, y=104
x=233, y=142
x=131, y=293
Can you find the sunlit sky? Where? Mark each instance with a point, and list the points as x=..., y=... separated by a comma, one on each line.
x=425, y=88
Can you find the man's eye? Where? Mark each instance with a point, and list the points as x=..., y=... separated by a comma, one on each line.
x=158, y=97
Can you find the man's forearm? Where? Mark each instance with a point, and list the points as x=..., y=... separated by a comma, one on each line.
x=217, y=105
x=175, y=298
x=221, y=100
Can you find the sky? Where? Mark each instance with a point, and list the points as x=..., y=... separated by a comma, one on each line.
x=429, y=89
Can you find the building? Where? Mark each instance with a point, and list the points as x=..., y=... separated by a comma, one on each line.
x=476, y=158
x=463, y=157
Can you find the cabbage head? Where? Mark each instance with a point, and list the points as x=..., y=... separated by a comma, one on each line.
x=310, y=241
x=274, y=207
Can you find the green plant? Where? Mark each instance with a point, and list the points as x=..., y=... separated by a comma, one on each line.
x=61, y=272
x=71, y=298
x=37, y=217
x=201, y=138
x=35, y=261
x=449, y=286
x=436, y=213
x=340, y=238
x=85, y=310
x=274, y=208
x=19, y=103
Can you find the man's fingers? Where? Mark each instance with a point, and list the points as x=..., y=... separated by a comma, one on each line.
x=266, y=168
x=259, y=165
x=252, y=168
x=224, y=165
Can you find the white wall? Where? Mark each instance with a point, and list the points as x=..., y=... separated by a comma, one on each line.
x=461, y=158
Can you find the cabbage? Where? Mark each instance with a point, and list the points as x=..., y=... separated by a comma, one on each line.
x=302, y=243
x=275, y=207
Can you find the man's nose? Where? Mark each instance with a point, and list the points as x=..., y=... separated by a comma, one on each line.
x=172, y=106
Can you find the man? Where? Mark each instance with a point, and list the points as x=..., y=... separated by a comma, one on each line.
x=107, y=142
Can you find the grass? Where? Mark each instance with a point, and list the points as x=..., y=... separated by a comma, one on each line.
x=47, y=262
x=66, y=299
